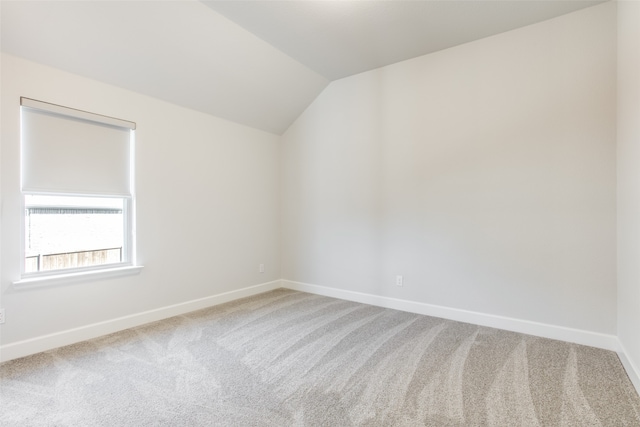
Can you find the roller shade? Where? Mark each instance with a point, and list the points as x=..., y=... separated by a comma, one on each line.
x=72, y=151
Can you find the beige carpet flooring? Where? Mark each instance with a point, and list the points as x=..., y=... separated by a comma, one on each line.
x=287, y=358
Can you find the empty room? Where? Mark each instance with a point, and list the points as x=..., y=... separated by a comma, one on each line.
x=320, y=213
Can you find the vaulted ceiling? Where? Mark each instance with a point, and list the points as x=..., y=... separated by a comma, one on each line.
x=258, y=63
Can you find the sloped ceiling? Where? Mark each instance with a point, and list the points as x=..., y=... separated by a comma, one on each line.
x=258, y=63
x=341, y=38
x=179, y=51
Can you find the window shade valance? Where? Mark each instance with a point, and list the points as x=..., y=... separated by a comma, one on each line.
x=72, y=151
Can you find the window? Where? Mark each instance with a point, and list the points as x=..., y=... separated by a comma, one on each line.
x=64, y=232
x=77, y=187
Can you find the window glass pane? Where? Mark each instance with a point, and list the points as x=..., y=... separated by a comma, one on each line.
x=64, y=232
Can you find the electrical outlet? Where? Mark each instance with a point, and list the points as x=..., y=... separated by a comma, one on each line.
x=398, y=280
x=261, y=268
x=1, y=315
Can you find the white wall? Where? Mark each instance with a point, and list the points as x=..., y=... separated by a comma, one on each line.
x=207, y=199
x=484, y=174
x=629, y=183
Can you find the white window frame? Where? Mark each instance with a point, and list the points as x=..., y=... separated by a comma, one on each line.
x=128, y=264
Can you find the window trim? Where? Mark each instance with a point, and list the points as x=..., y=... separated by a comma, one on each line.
x=128, y=265
x=114, y=270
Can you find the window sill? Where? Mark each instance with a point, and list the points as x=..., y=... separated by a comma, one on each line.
x=80, y=276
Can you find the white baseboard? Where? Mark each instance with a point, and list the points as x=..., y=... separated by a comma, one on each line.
x=632, y=370
x=72, y=336
x=592, y=339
